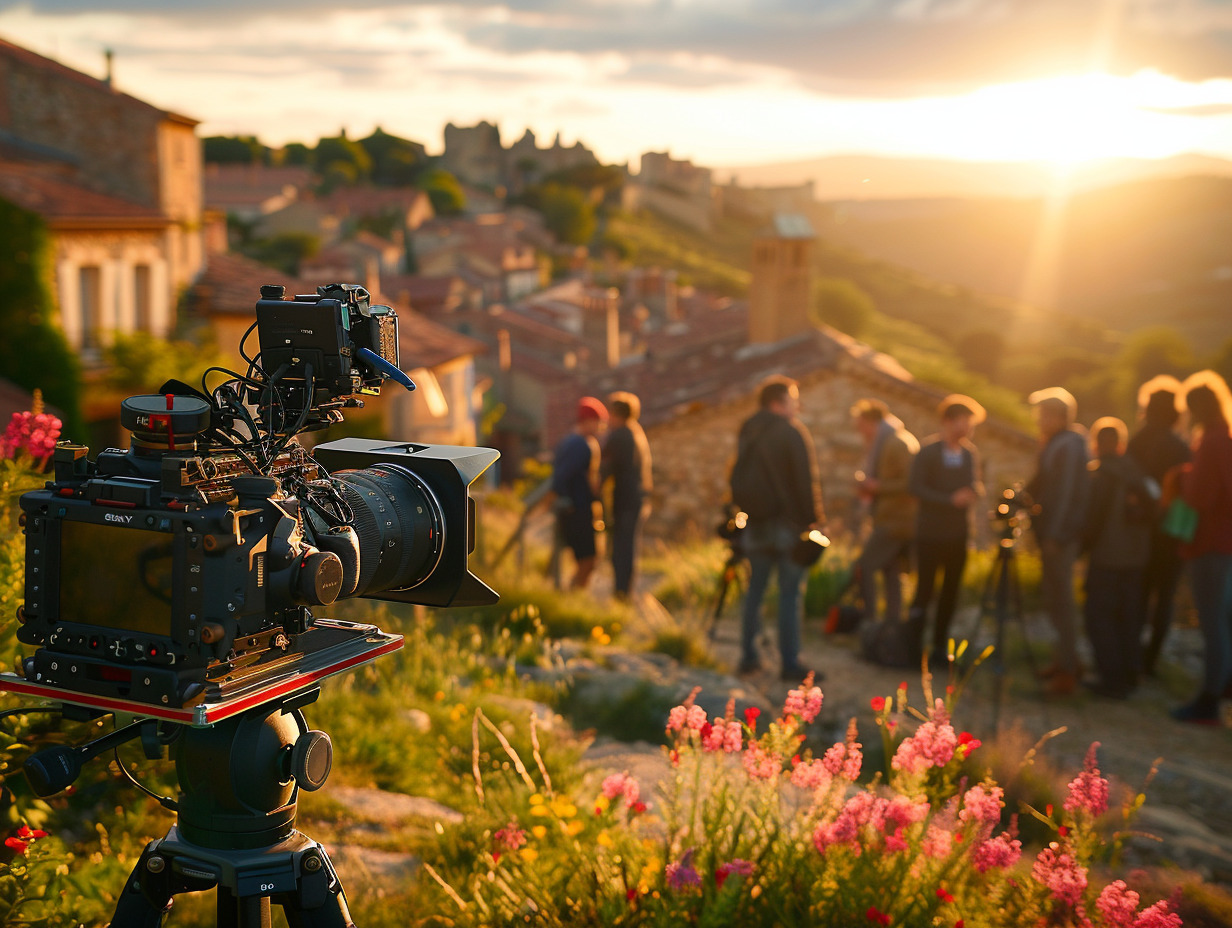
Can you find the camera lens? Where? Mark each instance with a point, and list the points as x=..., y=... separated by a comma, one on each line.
x=399, y=525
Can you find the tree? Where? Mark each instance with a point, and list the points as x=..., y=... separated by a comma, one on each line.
x=295, y=153
x=234, y=149
x=840, y=303
x=567, y=213
x=444, y=191
x=396, y=162
x=285, y=251
x=340, y=150
x=33, y=351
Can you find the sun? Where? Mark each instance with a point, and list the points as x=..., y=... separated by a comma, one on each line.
x=1069, y=119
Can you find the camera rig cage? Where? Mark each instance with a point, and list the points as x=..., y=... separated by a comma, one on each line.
x=176, y=578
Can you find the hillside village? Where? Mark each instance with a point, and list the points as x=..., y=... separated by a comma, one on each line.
x=503, y=325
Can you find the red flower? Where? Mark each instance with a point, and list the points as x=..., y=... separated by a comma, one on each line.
x=944, y=895
x=30, y=834
x=637, y=807
x=16, y=844
x=1063, y=831
x=958, y=924
x=878, y=703
x=630, y=894
x=750, y=716
x=875, y=915
x=968, y=743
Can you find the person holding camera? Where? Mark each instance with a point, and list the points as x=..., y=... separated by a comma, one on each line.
x=626, y=463
x=1059, y=492
x=946, y=478
x=776, y=482
x=575, y=487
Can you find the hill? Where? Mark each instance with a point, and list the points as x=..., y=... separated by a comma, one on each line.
x=869, y=177
x=1126, y=257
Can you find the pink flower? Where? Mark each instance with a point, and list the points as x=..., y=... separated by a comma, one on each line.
x=760, y=763
x=614, y=785
x=811, y=776
x=681, y=874
x=736, y=866
x=982, y=808
x=938, y=841
x=901, y=811
x=511, y=837
x=1157, y=916
x=695, y=718
x=997, y=853
x=932, y=745
x=1118, y=904
x=805, y=702
x=722, y=735
x=895, y=843
x=1088, y=791
x=676, y=718
x=32, y=433
x=845, y=758
x=734, y=740
x=1065, y=878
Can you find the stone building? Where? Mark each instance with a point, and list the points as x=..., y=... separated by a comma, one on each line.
x=476, y=155
x=781, y=289
x=119, y=183
x=677, y=189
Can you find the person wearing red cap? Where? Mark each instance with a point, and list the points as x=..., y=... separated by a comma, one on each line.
x=575, y=486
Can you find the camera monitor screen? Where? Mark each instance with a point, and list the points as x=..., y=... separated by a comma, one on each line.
x=117, y=578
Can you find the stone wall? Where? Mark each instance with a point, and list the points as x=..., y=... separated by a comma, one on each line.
x=693, y=452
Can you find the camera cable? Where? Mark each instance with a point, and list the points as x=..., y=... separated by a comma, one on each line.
x=165, y=801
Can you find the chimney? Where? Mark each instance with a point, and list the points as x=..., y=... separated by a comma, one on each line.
x=372, y=277
x=109, y=55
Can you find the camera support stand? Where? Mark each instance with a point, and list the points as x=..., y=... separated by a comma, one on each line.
x=239, y=781
x=1002, y=599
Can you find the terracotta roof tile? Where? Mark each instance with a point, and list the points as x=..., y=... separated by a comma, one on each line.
x=49, y=191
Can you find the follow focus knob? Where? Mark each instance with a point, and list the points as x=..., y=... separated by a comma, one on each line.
x=320, y=578
x=312, y=758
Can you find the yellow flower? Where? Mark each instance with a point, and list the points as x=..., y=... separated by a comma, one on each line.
x=539, y=832
x=564, y=808
x=573, y=828
x=529, y=854
x=536, y=799
x=604, y=840
x=597, y=632
x=540, y=811
x=439, y=695
x=602, y=804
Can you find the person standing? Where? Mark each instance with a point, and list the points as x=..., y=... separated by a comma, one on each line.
x=1207, y=487
x=626, y=463
x=1058, y=491
x=1117, y=538
x=884, y=485
x=946, y=478
x=1160, y=452
x=575, y=487
x=775, y=481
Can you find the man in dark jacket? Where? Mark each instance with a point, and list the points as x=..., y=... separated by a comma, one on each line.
x=1160, y=452
x=575, y=487
x=775, y=481
x=946, y=477
x=1117, y=538
x=626, y=463
x=1059, y=492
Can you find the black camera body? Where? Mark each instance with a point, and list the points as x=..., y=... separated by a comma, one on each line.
x=164, y=573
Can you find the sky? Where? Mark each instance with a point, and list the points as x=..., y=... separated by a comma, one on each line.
x=725, y=82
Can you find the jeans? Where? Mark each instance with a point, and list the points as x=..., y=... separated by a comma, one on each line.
x=1159, y=583
x=1113, y=613
x=625, y=524
x=769, y=549
x=951, y=557
x=1210, y=578
x=1057, y=563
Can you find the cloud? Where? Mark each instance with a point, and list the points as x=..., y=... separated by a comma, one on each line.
x=854, y=47
x=1201, y=110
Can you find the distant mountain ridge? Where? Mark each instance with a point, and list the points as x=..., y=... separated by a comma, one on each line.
x=871, y=177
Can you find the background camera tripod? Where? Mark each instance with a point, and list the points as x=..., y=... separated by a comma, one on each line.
x=239, y=781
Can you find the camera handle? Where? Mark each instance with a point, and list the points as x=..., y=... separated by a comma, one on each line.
x=56, y=768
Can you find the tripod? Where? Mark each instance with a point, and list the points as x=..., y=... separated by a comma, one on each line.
x=239, y=781
x=1002, y=599
x=727, y=576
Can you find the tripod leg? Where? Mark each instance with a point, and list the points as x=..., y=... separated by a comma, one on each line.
x=146, y=898
x=319, y=901
x=242, y=911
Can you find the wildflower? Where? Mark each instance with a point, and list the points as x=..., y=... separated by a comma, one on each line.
x=896, y=842
x=676, y=718
x=1157, y=916
x=845, y=758
x=811, y=776
x=932, y=745
x=614, y=785
x=695, y=718
x=33, y=433
x=966, y=744
x=735, y=866
x=997, y=853
x=938, y=841
x=877, y=703
x=1088, y=791
x=750, y=717
x=760, y=763
x=805, y=702
x=944, y=895
x=511, y=837
x=733, y=742
x=1118, y=904
x=875, y=915
x=631, y=893
x=681, y=874
x=982, y=808
x=1065, y=878
x=901, y=811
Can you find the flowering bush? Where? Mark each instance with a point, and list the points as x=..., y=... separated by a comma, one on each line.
x=747, y=830
x=30, y=435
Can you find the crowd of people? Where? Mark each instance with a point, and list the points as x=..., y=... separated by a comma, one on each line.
x=1136, y=512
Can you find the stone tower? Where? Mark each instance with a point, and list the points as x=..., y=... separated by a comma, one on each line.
x=782, y=286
